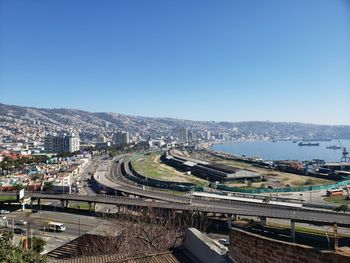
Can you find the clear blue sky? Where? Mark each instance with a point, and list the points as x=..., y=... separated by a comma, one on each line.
x=193, y=59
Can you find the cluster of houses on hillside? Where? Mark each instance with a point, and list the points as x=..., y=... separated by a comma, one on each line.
x=57, y=175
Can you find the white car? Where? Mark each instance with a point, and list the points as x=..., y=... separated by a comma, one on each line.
x=21, y=223
x=224, y=242
x=4, y=212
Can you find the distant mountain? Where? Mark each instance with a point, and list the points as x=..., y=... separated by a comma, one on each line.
x=89, y=124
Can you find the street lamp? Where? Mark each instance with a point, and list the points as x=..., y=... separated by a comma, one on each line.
x=54, y=208
x=79, y=226
x=326, y=233
x=310, y=197
x=329, y=245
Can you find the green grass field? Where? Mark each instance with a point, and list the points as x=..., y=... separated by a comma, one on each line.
x=8, y=198
x=340, y=200
x=306, y=230
x=83, y=206
x=150, y=166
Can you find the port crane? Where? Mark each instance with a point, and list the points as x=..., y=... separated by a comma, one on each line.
x=345, y=158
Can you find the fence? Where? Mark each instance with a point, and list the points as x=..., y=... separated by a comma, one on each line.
x=284, y=189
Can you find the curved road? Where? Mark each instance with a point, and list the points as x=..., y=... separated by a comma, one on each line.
x=117, y=184
x=170, y=201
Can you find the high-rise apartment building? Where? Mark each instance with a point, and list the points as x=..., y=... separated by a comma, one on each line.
x=125, y=138
x=120, y=138
x=192, y=136
x=183, y=136
x=101, y=139
x=54, y=143
x=61, y=143
x=73, y=142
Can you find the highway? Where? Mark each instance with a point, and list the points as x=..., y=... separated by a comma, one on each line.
x=241, y=208
x=181, y=203
x=115, y=182
x=263, y=210
x=86, y=174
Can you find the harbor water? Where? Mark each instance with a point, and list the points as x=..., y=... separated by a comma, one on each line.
x=284, y=150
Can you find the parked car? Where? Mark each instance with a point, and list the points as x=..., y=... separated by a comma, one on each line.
x=4, y=212
x=21, y=223
x=224, y=242
x=18, y=230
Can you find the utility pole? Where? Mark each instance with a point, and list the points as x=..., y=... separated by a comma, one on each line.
x=28, y=229
x=335, y=231
x=79, y=226
x=13, y=231
x=310, y=198
x=31, y=238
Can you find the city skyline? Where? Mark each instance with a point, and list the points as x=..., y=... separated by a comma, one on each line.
x=190, y=60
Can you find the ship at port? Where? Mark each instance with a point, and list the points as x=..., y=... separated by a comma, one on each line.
x=317, y=139
x=333, y=147
x=308, y=144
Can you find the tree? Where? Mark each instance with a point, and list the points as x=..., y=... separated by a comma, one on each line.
x=266, y=200
x=40, y=158
x=48, y=186
x=6, y=237
x=36, y=244
x=19, y=187
x=143, y=231
x=341, y=208
x=16, y=254
x=36, y=177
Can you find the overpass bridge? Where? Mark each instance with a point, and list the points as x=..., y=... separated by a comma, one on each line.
x=115, y=182
x=231, y=209
x=168, y=201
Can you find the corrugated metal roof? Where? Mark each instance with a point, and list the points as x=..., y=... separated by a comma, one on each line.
x=164, y=257
x=74, y=252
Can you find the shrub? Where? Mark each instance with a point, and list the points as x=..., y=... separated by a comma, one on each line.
x=341, y=208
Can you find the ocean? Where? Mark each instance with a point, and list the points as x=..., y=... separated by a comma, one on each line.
x=284, y=150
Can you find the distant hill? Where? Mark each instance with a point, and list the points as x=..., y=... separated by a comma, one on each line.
x=87, y=123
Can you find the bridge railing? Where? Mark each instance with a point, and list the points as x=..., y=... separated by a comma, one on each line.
x=271, y=211
x=82, y=197
x=133, y=200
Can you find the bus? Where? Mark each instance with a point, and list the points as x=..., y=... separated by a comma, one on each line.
x=334, y=192
x=55, y=227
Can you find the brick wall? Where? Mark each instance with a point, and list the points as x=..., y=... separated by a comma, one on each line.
x=247, y=247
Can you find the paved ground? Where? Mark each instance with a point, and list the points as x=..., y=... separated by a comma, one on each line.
x=315, y=197
x=76, y=226
x=80, y=224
